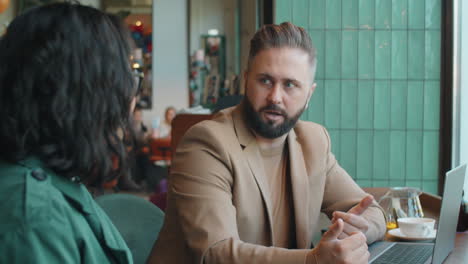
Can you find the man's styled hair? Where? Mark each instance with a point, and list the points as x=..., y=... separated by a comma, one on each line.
x=279, y=36
x=65, y=90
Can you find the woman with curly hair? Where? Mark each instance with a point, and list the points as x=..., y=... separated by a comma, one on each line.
x=66, y=88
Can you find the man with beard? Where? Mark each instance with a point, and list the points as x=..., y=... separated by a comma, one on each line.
x=249, y=185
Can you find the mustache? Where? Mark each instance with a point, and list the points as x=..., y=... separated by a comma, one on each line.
x=273, y=107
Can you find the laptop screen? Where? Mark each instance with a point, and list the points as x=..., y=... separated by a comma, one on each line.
x=449, y=211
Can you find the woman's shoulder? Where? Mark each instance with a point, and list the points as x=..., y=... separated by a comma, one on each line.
x=27, y=196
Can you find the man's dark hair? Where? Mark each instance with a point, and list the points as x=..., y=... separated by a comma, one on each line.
x=280, y=36
x=65, y=90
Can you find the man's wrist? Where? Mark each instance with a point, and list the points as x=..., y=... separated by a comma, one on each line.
x=312, y=257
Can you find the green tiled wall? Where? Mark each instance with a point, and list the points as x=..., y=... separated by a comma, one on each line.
x=378, y=89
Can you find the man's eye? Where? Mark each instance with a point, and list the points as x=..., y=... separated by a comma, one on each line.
x=290, y=84
x=265, y=81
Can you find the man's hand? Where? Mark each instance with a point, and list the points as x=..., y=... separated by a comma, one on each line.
x=352, y=249
x=353, y=221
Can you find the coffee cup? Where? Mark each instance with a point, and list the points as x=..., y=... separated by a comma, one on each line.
x=416, y=227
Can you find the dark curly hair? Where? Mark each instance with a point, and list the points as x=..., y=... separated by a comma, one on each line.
x=65, y=90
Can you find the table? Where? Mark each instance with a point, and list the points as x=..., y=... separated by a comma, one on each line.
x=431, y=206
x=459, y=254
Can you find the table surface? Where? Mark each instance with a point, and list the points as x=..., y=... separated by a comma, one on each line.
x=431, y=207
x=460, y=252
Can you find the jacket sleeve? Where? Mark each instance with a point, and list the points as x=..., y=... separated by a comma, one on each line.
x=200, y=193
x=342, y=193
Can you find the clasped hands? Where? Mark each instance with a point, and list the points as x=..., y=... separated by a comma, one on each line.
x=345, y=241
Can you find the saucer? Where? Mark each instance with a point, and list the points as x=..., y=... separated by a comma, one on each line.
x=398, y=234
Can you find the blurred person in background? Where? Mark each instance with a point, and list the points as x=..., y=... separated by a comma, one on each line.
x=142, y=132
x=140, y=153
x=166, y=125
x=66, y=88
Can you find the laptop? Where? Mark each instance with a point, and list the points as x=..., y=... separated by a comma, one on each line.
x=428, y=253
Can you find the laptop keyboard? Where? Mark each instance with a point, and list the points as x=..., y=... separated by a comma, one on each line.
x=405, y=254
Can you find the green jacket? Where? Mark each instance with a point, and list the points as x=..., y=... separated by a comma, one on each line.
x=45, y=218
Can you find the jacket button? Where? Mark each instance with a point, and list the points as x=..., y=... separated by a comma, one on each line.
x=39, y=175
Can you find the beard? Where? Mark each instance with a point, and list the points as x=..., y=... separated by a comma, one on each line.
x=268, y=129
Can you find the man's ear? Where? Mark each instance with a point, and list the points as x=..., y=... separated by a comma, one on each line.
x=311, y=91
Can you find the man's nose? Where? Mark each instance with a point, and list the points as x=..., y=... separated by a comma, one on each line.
x=275, y=94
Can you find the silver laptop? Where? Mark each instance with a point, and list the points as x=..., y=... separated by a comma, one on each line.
x=426, y=253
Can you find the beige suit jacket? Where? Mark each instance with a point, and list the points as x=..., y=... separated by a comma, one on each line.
x=219, y=195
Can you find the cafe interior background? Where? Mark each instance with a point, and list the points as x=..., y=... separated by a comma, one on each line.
x=390, y=82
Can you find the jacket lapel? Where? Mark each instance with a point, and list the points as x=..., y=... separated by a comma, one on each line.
x=301, y=196
x=254, y=159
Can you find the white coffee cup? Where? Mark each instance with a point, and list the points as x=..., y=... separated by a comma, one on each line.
x=416, y=227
